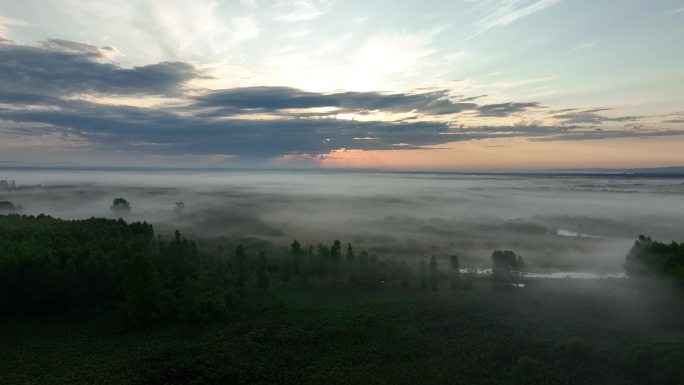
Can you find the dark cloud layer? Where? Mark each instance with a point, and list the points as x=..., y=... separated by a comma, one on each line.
x=145, y=129
x=505, y=109
x=38, y=83
x=62, y=67
x=272, y=99
x=592, y=117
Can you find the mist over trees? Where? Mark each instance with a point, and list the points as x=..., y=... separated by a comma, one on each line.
x=54, y=265
x=649, y=258
x=507, y=269
x=120, y=206
x=9, y=207
x=406, y=216
x=6, y=184
x=81, y=268
x=455, y=272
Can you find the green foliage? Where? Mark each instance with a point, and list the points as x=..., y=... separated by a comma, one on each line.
x=296, y=335
x=423, y=275
x=350, y=254
x=575, y=347
x=468, y=278
x=527, y=365
x=297, y=254
x=240, y=267
x=141, y=287
x=262, y=273
x=658, y=361
x=120, y=205
x=49, y=265
x=330, y=336
x=455, y=265
x=434, y=275
x=455, y=273
x=9, y=207
x=507, y=269
x=649, y=258
x=336, y=250
x=53, y=265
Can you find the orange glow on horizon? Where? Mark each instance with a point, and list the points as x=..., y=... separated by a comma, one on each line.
x=512, y=154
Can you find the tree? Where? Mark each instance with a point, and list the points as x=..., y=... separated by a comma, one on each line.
x=9, y=207
x=455, y=272
x=350, y=254
x=141, y=287
x=120, y=205
x=70, y=284
x=336, y=250
x=322, y=263
x=100, y=278
x=434, y=274
x=423, y=275
x=323, y=252
x=404, y=274
x=507, y=268
x=649, y=258
x=657, y=361
x=240, y=266
x=296, y=252
x=180, y=207
x=262, y=273
x=335, y=256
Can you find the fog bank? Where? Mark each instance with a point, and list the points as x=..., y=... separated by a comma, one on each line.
x=562, y=222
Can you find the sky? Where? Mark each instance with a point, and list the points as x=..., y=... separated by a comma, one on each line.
x=418, y=85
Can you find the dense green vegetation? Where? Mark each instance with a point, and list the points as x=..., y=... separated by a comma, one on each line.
x=9, y=207
x=649, y=258
x=49, y=265
x=507, y=267
x=103, y=301
x=120, y=205
x=333, y=336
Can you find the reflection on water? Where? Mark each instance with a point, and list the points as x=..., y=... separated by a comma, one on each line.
x=568, y=233
x=553, y=275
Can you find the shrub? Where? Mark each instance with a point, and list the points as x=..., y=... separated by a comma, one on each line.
x=527, y=365
x=658, y=361
x=575, y=347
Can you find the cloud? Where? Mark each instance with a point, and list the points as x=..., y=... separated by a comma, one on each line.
x=250, y=3
x=273, y=99
x=21, y=99
x=386, y=60
x=126, y=128
x=299, y=10
x=592, y=117
x=674, y=12
x=159, y=30
x=505, y=109
x=157, y=130
x=9, y=22
x=609, y=134
x=499, y=13
x=43, y=87
x=583, y=46
x=62, y=67
x=244, y=28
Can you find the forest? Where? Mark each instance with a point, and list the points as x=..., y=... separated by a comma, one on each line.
x=324, y=313
x=61, y=266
